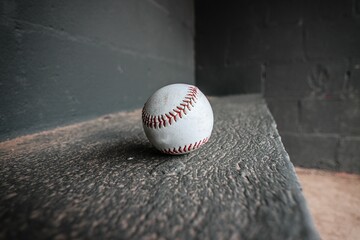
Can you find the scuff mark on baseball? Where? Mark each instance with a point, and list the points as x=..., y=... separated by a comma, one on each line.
x=178, y=119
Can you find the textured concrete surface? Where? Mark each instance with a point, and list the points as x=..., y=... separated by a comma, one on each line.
x=63, y=62
x=334, y=201
x=102, y=179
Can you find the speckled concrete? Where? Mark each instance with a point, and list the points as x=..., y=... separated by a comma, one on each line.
x=103, y=180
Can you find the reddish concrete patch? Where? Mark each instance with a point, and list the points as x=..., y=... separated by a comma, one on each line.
x=334, y=201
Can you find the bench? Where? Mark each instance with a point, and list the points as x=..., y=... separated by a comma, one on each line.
x=101, y=179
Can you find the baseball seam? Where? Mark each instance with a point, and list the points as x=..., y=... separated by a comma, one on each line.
x=185, y=148
x=166, y=119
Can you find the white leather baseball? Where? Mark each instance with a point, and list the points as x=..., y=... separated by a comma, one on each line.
x=177, y=119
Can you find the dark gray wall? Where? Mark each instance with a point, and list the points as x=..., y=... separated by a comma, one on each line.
x=65, y=61
x=304, y=56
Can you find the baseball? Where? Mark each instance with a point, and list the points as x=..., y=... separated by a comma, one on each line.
x=178, y=119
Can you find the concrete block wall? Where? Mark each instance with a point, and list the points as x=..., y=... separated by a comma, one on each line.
x=66, y=61
x=304, y=57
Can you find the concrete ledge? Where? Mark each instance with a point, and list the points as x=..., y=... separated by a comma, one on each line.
x=102, y=179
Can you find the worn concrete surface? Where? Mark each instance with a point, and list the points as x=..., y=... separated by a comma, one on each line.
x=101, y=179
x=334, y=201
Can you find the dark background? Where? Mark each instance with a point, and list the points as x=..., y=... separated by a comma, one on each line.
x=67, y=61
x=303, y=56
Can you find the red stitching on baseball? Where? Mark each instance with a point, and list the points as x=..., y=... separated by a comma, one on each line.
x=189, y=148
x=166, y=119
x=185, y=148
